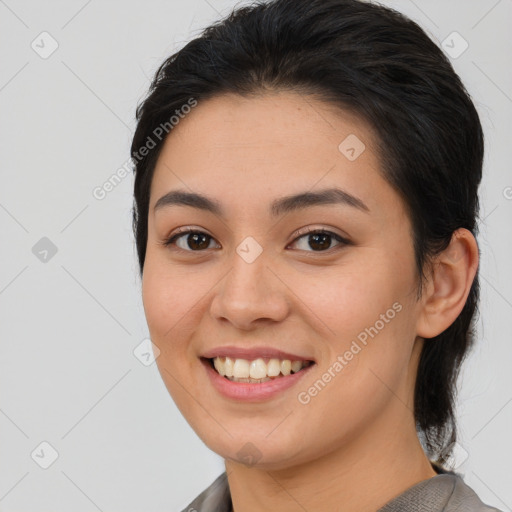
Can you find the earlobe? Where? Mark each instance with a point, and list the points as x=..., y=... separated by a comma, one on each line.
x=453, y=272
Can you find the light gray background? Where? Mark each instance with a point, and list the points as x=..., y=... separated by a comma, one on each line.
x=68, y=326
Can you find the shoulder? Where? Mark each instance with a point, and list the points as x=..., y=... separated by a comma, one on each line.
x=465, y=498
x=215, y=498
x=446, y=492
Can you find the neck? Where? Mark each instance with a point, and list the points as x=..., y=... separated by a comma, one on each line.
x=362, y=476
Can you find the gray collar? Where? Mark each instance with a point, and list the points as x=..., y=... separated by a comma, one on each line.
x=442, y=493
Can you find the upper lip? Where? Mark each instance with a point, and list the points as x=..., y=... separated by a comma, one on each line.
x=253, y=353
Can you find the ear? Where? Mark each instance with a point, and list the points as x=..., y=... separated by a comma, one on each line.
x=448, y=286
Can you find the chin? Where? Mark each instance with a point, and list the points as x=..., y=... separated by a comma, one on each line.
x=257, y=450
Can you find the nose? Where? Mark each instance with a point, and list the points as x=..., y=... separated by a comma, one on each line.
x=250, y=294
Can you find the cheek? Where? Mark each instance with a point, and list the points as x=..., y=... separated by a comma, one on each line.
x=344, y=300
x=166, y=293
x=170, y=303
x=365, y=314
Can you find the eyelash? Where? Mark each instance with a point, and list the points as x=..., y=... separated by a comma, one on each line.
x=300, y=234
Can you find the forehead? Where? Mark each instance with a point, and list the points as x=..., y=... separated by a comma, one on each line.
x=269, y=145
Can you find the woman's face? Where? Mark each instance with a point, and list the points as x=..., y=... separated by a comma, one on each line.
x=255, y=286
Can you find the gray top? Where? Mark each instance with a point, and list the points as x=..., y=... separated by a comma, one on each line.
x=445, y=492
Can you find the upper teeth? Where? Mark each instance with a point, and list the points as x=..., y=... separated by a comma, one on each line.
x=256, y=369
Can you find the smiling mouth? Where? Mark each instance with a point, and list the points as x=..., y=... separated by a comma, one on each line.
x=257, y=370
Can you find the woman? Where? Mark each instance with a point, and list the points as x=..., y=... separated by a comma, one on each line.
x=305, y=201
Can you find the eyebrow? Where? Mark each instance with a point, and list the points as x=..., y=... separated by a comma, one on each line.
x=331, y=196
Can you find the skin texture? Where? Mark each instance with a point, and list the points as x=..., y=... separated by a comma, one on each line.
x=355, y=442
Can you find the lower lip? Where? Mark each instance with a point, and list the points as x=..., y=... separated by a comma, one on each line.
x=252, y=392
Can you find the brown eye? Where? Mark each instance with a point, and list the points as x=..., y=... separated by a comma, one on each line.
x=319, y=240
x=193, y=241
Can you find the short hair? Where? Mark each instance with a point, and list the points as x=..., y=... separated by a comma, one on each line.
x=377, y=63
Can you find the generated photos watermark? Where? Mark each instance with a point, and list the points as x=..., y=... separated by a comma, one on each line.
x=101, y=191
x=343, y=360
